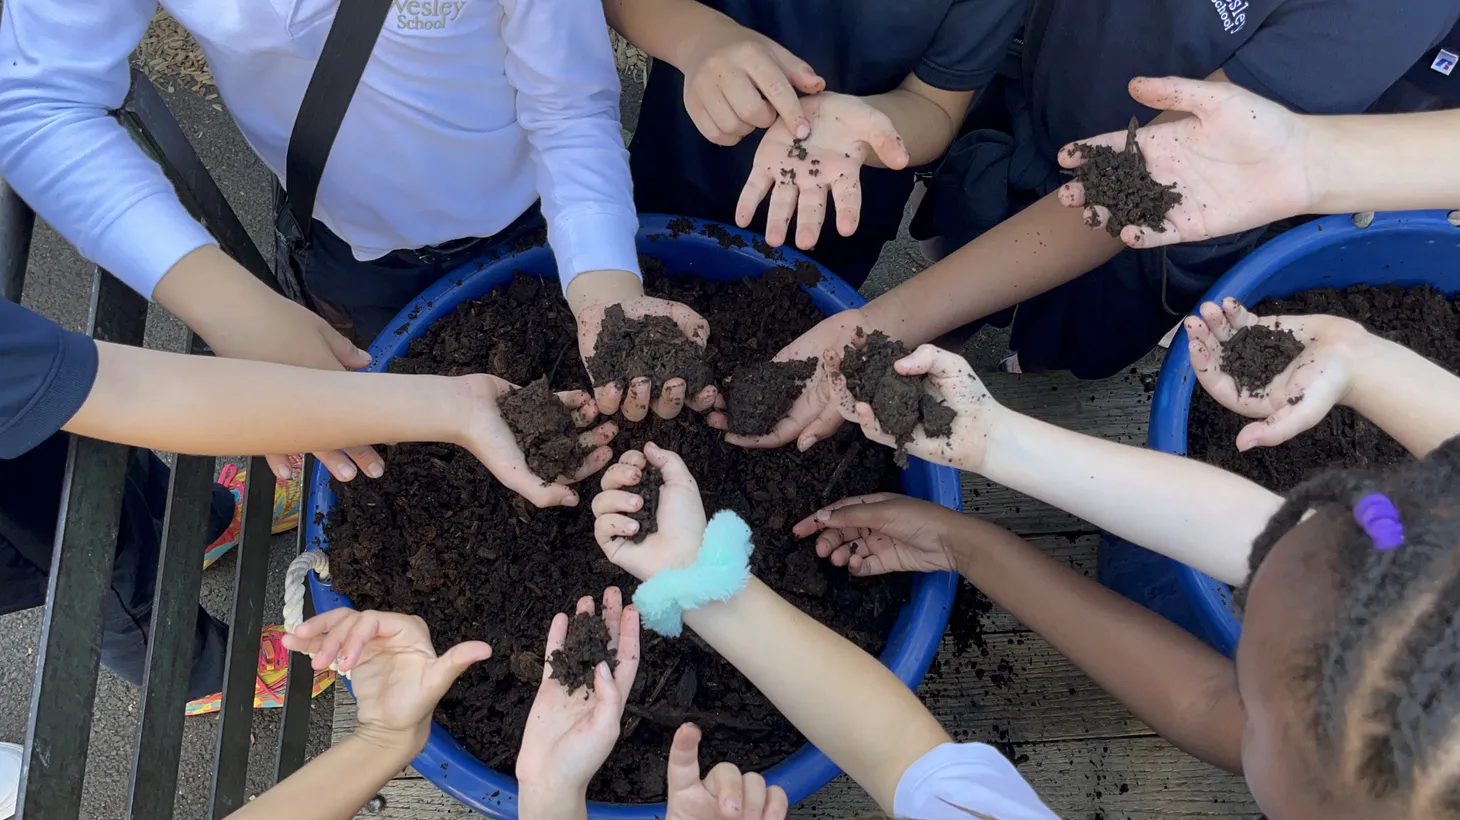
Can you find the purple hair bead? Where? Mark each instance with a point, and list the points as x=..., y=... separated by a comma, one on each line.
x=1380, y=519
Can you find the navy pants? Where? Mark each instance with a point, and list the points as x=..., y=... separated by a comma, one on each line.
x=30, y=501
x=360, y=298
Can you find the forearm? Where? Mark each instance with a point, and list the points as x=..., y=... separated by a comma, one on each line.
x=1197, y=514
x=925, y=126
x=333, y=786
x=823, y=684
x=1037, y=249
x=1179, y=687
x=1381, y=163
x=167, y=401
x=1408, y=396
x=664, y=29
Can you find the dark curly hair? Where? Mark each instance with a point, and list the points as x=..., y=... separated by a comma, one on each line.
x=1386, y=681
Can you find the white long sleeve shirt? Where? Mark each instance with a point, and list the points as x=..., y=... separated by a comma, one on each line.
x=467, y=112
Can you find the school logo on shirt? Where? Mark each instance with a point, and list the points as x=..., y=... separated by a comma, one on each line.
x=1445, y=62
x=1233, y=14
x=426, y=15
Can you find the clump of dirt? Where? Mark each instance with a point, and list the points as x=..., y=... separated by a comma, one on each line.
x=438, y=537
x=1119, y=181
x=544, y=429
x=899, y=402
x=797, y=149
x=759, y=395
x=584, y=649
x=648, y=515
x=1256, y=354
x=721, y=234
x=679, y=226
x=653, y=346
x=1419, y=318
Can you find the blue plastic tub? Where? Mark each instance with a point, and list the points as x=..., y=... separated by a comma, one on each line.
x=914, y=638
x=1401, y=248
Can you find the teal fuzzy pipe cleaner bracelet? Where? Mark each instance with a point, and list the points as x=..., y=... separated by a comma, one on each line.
x=718, y=574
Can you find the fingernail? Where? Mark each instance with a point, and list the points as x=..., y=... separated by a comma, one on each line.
x=806, y=442
x=284, y=473
x=375, y=470
x=570, y=500
x=349, y=471
x=823, y=515
x=633, y=526
x=803, y=130
x=603, y=671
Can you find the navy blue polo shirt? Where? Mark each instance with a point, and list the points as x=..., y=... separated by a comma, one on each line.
x=1314, y=56
x=860, y=47
x=45, y=376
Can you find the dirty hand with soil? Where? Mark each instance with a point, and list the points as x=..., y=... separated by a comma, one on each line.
x=678, y=523
x=882, y=533
x=634, y=345
x=724, y=794
x=846, y=133
x=588, y=670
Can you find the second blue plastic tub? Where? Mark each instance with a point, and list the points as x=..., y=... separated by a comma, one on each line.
x=1401, y=248
x=914, y=638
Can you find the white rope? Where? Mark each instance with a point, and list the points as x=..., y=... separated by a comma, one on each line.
x=296, y=580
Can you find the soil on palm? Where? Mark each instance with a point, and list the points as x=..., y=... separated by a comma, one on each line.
x=544, y=429
x=1418, y=318
x=438, y=537
x=653, y=346
x=1256, y=354
x=760, y=394
x=1119, y=181
x=648, y=515
x=899, y=402
x=583, y=650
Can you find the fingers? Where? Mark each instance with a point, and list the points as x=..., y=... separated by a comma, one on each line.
x=540, y=493
x=1287, y=422
x=608, y=397
x=556, y=640
x=753, y=795
x=596, y=460
x=1072, y=194
x=671, y=399
x=1142, y=237
x=757, y=185
x=636, y=404
x=810, y=214
x=281, y=465
x=454, y=663
x=718, y=421
x=800, y=73
x=1170, y=93
x=814, y=521
x=694, y=326
x=725, y=783
x=611, y=527
x=339, y=464
x=704, y=400
x=773, y=78
x=613, y=610
x=669, y=464
x=752, y=110
x=585, y=605
x=1217, y=321
x=728, y=129
x=1097, y=216
x=628, y=472
x=324, y=622
x=582, y=405
x=887, y=144
x=783, y=206
x=847, y=196
x=824, y=427
x=871, y=428
x=1237, y=316
x=628, y=649
x=780, y=435
x=683, y=771
x=352, y=642
x=777, y=804
x=345, y=352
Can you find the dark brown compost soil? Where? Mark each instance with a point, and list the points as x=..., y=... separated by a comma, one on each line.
x=1418, y=318
x=759, y=394
x=544, y=429
x=1256, y=354
x=1119, y=181
x=438, y=537
x=653, y=346
x=584, y=649
x=899, y=402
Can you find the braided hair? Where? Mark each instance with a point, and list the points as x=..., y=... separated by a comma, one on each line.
x=1386, y=681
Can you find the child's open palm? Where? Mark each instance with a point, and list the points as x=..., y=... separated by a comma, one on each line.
x=724, y=794
x=846, y=132
x=395, y=674
x=570, y=734
x=679, y=519
x=1298, y=397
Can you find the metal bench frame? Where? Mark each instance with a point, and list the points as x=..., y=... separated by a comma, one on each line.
x=59, y=727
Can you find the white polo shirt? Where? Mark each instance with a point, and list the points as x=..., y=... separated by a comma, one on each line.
x=966, y=781
x=468, y=111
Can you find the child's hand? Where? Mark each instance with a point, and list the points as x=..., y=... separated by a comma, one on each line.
x=845, y=132
x=680, y=517
x=635, y=405
x=724, y=794
x=1239, y=162
x=570, y=734
x=738, y=80
x=395, y=673
x=950, y=378
x=1300, y=396
x=813, y=417
x=487, y=436
x=883, y=533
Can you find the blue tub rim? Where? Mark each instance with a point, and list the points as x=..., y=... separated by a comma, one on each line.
x=446, y=763
x=1171, y=403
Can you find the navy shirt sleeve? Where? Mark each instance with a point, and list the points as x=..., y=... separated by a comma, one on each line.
x=1338, y=56
x=971, y=43
x=45, y=376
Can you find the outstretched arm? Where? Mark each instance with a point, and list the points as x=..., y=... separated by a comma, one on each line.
x=1408, y=396
x=1197, y=514
x=1178, y=686
x=787, y=654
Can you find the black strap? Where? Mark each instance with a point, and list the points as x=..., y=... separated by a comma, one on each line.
x=347, y=49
